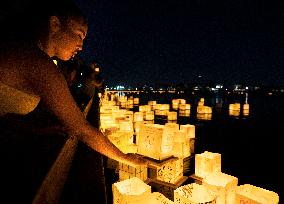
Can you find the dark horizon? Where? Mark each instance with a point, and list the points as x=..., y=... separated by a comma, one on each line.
x=175, y=42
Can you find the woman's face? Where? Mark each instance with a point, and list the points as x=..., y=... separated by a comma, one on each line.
x=69, y=40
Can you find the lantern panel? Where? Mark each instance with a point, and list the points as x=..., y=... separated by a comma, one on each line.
x=194, y=194
x=207, y=163
x=127, y=171
x=223, y=185
x=131, y=191
x=248, y=193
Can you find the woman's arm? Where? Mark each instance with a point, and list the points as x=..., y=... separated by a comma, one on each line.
x=49, y=83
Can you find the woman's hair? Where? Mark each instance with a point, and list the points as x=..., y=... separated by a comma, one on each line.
x=32, y=20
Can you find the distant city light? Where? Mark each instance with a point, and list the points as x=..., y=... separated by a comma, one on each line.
x=119, y=88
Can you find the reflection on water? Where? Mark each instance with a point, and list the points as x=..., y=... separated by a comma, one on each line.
x=197, y=108
x=247, y=136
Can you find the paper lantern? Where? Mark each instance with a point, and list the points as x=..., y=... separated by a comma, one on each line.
x=189, y=129
x=194, y=194
x=234, y=106
x=204, y=116
x=249, y=194
x=184, y=106
x=152, y=104
x=172, y=115
x=136, y=101
x=184, y=113
x=131, y=191
x=175, y=104
x=235, y=113
x=223, y=185
x=204, y=109
x=130, y=103
x=181, y=148
x=154, y=142
x=169, y=171
x=158, y=198
x=138, y=116
x=207, y=163
x=121, y=139
x=127, y=172
x=149, y=115
x=125, y=125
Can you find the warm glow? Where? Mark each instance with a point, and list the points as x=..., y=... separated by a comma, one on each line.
x=207, y=163
x=254, y=195
x=131, y=191
x=193, y=193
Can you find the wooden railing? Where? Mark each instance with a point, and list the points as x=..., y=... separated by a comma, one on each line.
x=53, y=183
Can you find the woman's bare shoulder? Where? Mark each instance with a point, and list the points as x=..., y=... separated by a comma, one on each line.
x=23, y=63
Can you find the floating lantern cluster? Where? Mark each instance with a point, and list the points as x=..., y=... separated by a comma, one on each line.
x=166, y=146
x=235, y=109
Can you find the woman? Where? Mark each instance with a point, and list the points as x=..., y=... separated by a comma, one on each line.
x=28, y=75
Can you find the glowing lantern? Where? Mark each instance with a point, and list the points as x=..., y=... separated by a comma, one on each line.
x=175, y=103
x=204, y=109
x=246, y=106
x=184, y=113
x=149, y=115
x=136, y=101
x=169, y=171
x=130, y=103
x=207, y=163
x=172, y=115
x=246, y=109
x=189, y=129
x=152, y=104
x=158, y=198
x=121, y=139
x=249, y=194
x=127, y=172
x=194, y=194
x=125, y=125
x=138, y=116
x=153, y=142
x=234, y=106
x=131, y=191
x=184, y=106
x=223, y=185
x=181, y=148
x=204, y=116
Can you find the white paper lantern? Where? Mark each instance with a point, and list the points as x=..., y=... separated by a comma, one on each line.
x=249, y=194
x=194, y=194
x=189, y=129
x=131, y=191
x=172, y=115
x=223, y=185
x=169, y=171
x=127, y=172
x=154, y=142
x=207, y=163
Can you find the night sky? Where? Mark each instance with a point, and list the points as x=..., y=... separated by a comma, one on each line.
x=140, y=42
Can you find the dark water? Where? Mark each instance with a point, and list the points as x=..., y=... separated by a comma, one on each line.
x=251, y=145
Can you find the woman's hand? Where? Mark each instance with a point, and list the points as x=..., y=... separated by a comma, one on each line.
x=135, y=160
